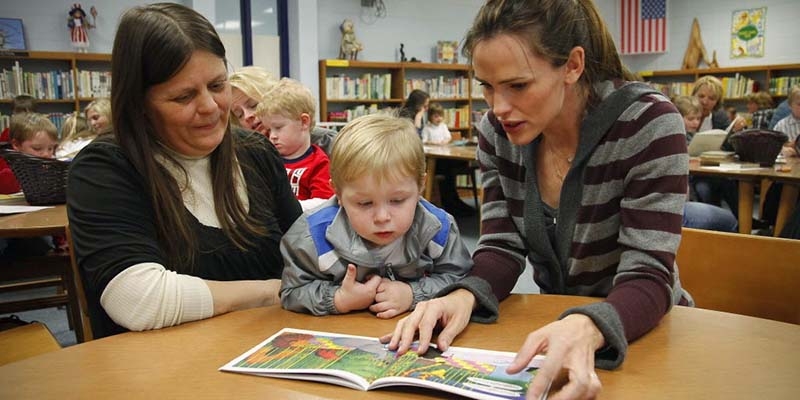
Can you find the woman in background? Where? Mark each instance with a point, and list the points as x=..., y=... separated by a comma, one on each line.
x=415, y=107
x=98, y=115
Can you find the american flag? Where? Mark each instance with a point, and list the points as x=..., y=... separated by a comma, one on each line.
x=643, y=26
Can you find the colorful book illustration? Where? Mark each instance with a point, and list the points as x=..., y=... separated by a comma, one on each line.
x=364, y=363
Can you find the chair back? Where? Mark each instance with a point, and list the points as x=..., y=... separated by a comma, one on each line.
x=743, y=274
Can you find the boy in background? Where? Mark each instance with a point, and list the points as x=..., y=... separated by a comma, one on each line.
x=286, y=113
x=22, y=103
x=791, y=124
x=32, y=134
x=692, y=112
x=377, y=244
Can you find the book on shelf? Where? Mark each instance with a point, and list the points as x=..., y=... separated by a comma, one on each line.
x=363, y=363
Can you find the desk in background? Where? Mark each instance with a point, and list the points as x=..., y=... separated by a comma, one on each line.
x=432, y=153
x=747, y=179
x=692, y=354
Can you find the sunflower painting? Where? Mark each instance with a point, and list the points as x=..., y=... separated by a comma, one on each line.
x=747, y=32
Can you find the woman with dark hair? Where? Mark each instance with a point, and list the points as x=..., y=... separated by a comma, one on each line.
x=415, y=107
x=175, y=217
x=584, y=175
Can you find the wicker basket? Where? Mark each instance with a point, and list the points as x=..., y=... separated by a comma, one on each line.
x=43, y=180
x=758, y=145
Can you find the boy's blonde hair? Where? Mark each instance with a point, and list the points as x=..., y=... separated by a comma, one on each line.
x=74, y=127
x=688, y=104
x=761, y=99
x=381, y=144
x=25, y=126
x=714, y=84
x=288, y=98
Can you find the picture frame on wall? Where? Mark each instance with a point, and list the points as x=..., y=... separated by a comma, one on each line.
x=447, y=52
x=12, y=34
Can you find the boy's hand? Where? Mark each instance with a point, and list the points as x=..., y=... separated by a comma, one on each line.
x=353, y=295
x=393, y=298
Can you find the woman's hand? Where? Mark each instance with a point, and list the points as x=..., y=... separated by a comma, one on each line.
x=452, y=312
x=353, y=295
x=570, y=345
x=392, y=299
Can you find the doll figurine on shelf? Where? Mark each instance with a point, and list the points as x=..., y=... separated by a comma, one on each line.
x=350, y=46
x=79, y=26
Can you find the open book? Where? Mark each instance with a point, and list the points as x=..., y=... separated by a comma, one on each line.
x=364, y=363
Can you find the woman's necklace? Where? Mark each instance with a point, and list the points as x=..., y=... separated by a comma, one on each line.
x=558, y=170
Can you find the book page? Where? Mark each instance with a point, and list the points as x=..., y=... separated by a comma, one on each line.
x=364, y=363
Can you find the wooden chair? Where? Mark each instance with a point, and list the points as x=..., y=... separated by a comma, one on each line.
x=26, y=341
x=743, y=274
x=56, y=270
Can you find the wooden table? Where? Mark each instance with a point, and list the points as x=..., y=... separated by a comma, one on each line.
x=49, y=221
x=432, y=153
x=747, y=179
x=692, y=354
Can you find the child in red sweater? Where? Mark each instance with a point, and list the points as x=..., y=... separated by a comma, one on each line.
x=287, y=114
x=33, y=134
x=30, y=133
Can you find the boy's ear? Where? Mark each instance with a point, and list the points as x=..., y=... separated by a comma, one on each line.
x=16, y=145
x=305, y=121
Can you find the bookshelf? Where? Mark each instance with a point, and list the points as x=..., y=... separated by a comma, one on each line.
x=351, y=88
x=738, y=82
x=61, y=82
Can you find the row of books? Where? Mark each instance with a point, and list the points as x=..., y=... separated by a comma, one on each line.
x=457, y=117
x=364, y=87
x=782, y=85
x=353, y=113
x=56, y=118
x=440, y=87
x=736, y=87
x=52, y=85
x=94, y=84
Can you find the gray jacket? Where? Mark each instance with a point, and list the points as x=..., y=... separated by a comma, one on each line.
x=320, y=244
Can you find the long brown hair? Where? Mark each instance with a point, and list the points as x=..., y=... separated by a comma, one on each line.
x=551, y=29
x=152, y=44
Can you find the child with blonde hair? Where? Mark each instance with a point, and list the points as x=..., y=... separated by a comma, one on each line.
x=692, y=112
x=377, y=244
x=287, y=113
x=34, y=134
x=76, y=134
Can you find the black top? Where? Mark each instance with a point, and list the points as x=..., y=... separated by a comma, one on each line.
x=113, y=224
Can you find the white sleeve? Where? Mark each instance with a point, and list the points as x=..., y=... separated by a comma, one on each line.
x=148, y=296
x=308, y=204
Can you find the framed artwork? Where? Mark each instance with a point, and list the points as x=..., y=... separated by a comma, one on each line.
x=747, y=32
x=12, y=36
x=447, y=52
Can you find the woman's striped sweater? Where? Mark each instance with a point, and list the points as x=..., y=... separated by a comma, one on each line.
x=619, y=220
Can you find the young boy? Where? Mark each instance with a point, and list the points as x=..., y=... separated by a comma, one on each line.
x=287, y=114
x=32, y=134
x=791, y=124
x=377, y=244
x=435, y=131
x=36, y=135
x=692, y=112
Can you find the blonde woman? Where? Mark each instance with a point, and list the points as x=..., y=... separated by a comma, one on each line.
x=98, y=115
